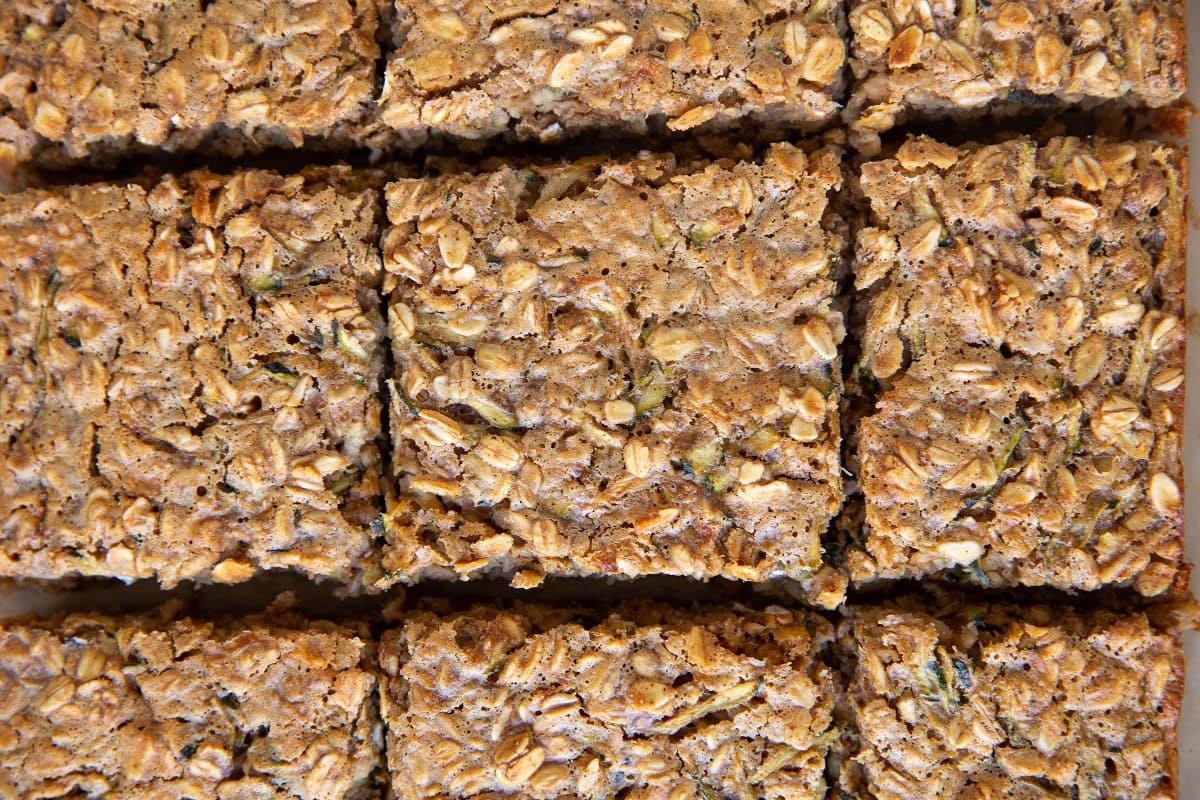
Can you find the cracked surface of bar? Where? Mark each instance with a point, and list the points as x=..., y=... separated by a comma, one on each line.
x=648, y=702
x=1026, y=330
x=921, y=61
x=160, y=709
x=616, y=367
x=1005, y=702
x=190, y=383
x=544, y=70
x=89, y=80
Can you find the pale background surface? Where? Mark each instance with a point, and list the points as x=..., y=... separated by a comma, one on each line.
x=260, y=593
x=1189, y=734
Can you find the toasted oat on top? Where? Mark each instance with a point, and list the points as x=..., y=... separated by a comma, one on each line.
x=1000, y=702
x=615, y=366
x=547, y=69
x=921, y=60
x=1026, y=324
x=190, y=383
x=648, y=702
x=92, y=78
x=140, y=707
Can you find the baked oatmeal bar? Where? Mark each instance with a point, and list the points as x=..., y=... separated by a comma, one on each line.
x=544, y=70
x=615, y=367
x=995, y=701
x=91, y=78
x=1026, y=325
x=190, y=387
x=648, y=702
x=139, y=707
x=915, y=61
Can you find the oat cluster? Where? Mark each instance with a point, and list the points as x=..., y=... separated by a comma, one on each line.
x=96, y=79
x=989, y=702
x=919, y=59
x=548, y=70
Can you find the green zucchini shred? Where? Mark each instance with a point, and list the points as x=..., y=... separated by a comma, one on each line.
x=700, y=234
x=266, y=282
x=493, y=413
x=342, y=482
x=283, y=374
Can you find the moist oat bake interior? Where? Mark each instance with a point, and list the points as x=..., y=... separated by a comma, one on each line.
x=922, y=60
x=147, y=707
x=617, y=367
x=1026, y=327
x=190, y=384
x=648, y=702
x=95, y=78
x=1005, y=702
x=544, y=70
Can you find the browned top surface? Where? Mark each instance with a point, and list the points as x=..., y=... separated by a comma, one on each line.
x=647, y=703
x=1026, y=321
x=189, y=390
x=623, y=367
x=140, y=708
x=86, y=77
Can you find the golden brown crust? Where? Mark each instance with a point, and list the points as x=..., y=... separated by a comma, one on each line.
x=616, y=367
x=190, y=385
x=917, y=61
x=265, y=707
x=541, y=70
x=106, y=77
x=648, y=702
x=1026, y=321
x=1000, y=702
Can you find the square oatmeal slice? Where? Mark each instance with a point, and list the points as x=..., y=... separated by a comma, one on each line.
x=980, y=701
x=190, y=387
x=917, y=61
x=95, y=80
x=647, y=701
x=269, y=706
x=1025, y=328
x=620, y=367
x=547, y=70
